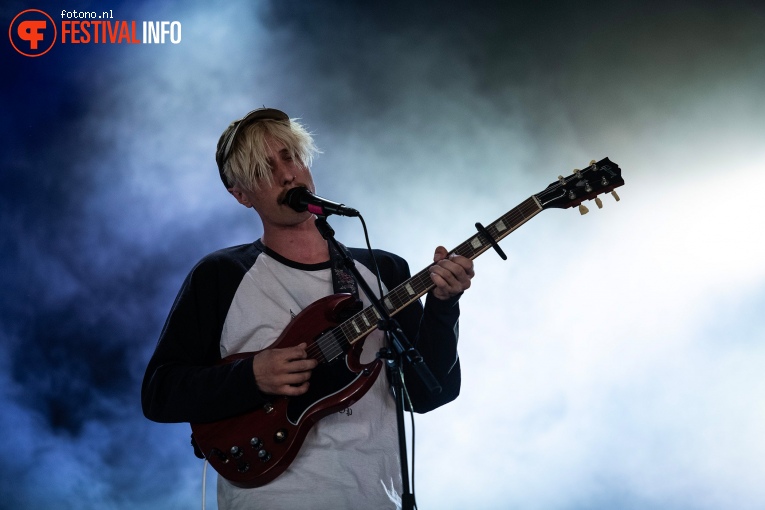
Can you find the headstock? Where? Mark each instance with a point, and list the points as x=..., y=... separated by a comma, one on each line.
x=598, y=178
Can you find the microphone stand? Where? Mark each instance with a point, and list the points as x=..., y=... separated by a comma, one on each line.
x=402, y=352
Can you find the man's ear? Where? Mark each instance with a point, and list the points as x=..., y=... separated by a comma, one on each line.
x=240, y=196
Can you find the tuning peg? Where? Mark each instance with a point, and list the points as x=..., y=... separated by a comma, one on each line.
x=561, y=180
x=599, y=202
x=616, y=197
x=592, y=162
x=578, y=172
x=583, y=210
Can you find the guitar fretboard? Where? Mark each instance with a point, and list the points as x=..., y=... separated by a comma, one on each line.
x=360, y=325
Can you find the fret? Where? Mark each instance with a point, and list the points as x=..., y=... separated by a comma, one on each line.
x=345, y=332
x=422, y=281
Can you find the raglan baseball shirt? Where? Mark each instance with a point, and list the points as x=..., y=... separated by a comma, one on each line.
x=238, y=300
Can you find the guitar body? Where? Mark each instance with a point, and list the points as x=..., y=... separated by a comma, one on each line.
x=253, y=449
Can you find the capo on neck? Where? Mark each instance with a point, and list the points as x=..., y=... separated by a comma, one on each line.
x=485, y=233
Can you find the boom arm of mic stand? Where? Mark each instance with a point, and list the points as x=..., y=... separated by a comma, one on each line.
x=400, y=343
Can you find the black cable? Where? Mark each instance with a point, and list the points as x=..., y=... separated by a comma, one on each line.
x=372, y=255
x=403, y=384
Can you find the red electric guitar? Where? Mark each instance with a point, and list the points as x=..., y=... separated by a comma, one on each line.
x=252, y=449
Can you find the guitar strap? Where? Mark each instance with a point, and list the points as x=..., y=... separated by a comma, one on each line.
x=343, y=281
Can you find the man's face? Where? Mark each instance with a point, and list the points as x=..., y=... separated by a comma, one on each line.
x=286, y=173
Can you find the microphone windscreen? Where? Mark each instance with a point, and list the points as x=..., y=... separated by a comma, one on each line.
x=295, y=198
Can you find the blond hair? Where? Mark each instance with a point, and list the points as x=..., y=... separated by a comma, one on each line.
x=247, y=166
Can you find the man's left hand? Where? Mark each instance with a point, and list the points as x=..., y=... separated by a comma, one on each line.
x=451, y=273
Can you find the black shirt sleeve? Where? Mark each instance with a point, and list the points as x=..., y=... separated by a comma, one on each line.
x=184, y=381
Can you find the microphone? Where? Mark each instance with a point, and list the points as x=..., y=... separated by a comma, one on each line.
x=300, y=199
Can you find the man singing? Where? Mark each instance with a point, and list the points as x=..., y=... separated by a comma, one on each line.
x=239, y=299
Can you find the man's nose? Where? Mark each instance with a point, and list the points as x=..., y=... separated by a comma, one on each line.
x=285, y=174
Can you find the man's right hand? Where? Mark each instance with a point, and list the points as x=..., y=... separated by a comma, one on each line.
x=283, y=371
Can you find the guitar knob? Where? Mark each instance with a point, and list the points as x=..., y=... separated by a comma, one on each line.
x=243, y=467
x=264, y=455
x=280, y=435
x=255, y=442
x=236, y=452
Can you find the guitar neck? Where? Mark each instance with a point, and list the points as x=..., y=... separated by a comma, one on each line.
x=364, y=322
